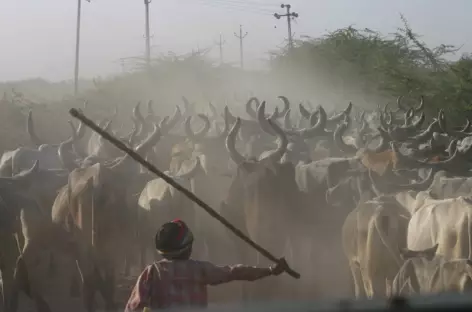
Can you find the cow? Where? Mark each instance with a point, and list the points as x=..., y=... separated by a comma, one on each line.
x=372, y=236
x=25, y=230
x=159, y=202
x=444, y=222
x=92, y=208
x=13, y=162
x=424, y=273
x=376, y=230
x=263, y=199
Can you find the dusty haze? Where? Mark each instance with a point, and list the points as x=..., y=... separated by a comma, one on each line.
x=38, y=37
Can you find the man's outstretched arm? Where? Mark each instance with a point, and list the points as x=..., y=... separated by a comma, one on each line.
x=216, y=274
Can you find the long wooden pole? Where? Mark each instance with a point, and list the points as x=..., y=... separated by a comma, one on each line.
x=89, y=123
x=77, y=48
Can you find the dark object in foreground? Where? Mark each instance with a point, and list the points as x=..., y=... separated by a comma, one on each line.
x=117, y=143
x=177, y=281
x=444, y=302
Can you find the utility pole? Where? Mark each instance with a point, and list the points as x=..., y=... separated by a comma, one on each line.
x=241, y=37
x=147, y=36
x=220, y=43
x=77, y=47
x=289, y=16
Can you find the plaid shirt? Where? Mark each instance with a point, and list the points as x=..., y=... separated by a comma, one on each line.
x=183, y=283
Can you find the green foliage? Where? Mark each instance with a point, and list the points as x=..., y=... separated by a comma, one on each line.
x=349, y=64
x=398, y=64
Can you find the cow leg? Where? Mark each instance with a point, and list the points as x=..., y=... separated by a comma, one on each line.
x=74, y=290
x=89, y=276
x=127, y=268
x=108, y=289
x=8, y=255
x=357, y=279
x=106, y=283
x=143, y=245
x=52, y=270
x=25, y=276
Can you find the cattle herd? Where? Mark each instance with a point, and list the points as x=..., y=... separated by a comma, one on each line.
x=361, y=203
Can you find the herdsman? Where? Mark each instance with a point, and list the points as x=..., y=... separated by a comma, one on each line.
x=178, y=281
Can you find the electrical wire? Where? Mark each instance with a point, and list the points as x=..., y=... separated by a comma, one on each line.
x=251, y=3
x=234, y=7
x=243, y=7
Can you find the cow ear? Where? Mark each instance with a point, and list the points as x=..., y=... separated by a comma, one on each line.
x=406, y=253
x=430, y=252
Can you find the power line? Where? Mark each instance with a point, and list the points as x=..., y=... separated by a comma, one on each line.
x=220, y=43
x=290, y=16
x=254, y=3
x=147, y=36
x=232, y=8
x=241, y=37
x=249, y=3
x=77, y=47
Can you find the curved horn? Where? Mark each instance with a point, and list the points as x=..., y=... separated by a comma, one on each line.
x=133, y=135
x=169, y=124
x=67, y=163
x=418, y=123
x=227, y=114
x=341, y=115
x=443, y=126
x=338, y=139
x=411, y=162
x=427, y=134
x=316, y=129
x=360, y=141
x=249, y=110
x=137, y=113
x=231, y=143
x=408, y=116
x=150, y=141
x=452, y=148
x=303, y=111
x=26, y=174
x=214, y=112
x=80, y=131
x=142, y=149
x=189, y=108
x=400, y=104
x=200, y=134
x=420, y=106
x=466, y=128
x=286, y=105
x=275, y=114
x=287, y=122
x=282, y=143
x=383, y=123
x=225, y=131
x=263, y=123
x=30, y=129
x=386, y=188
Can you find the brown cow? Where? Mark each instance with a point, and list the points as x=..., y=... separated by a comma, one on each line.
x=92, y=208
x=263, y=199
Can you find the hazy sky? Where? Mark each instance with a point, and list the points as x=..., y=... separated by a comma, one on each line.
x=37, y=37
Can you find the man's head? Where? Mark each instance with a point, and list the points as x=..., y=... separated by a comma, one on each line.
x=174, y=240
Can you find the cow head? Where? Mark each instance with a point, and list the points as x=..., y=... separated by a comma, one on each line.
x=210, y=150
x=428, y=253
